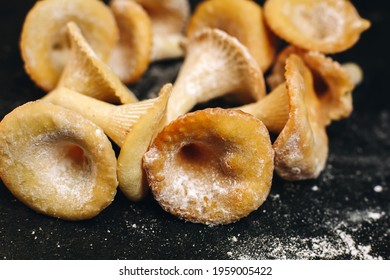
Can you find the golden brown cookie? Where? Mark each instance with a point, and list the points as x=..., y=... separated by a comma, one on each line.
x=293, y=111
x=333, y=84
x=131, y=176
x=130, y=126
x=44, y=43
x=131, y=56
x=216, y=64
x=213, y=166
x=168, y=20
x=116, y=120
x=57, y=162
x=301, y=149
x=242, y=19
x=328, y=26
x=84, y=72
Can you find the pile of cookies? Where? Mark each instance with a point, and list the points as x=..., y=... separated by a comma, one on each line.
x=213, y=166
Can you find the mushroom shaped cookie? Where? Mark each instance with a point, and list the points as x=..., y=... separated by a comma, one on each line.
x=44, y=43
x=301, y=149
x=168, y=20
x=333, y=83
x=131, y=175
x=216, y=64
x=242, y=19
x=131, y=56
x=328, y=26
x=57, y=162
x=212, y=166
x=115, y=120
x=86, y=73
x=292, y=110
x=130, y=126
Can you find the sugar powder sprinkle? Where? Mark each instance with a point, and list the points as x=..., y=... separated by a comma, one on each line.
x=339, y=245
x=338, y=242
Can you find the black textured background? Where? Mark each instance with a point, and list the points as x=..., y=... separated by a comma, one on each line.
x=341, y=215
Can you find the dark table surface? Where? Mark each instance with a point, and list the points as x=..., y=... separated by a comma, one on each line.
x=344, y=214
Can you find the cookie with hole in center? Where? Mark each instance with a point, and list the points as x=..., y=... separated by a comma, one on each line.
x=212, y=166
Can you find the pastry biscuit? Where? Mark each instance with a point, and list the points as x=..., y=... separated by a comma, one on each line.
x=130, y=58
x=328, y=26
x=212, y=166
x=86, y=73
x=169, y=18
x=293, y=111
x=57, y=162
x=44, y=43
x=301, y=148
x=242, y=19
x=216, y=65
x=333, y=85
x=130, y=126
